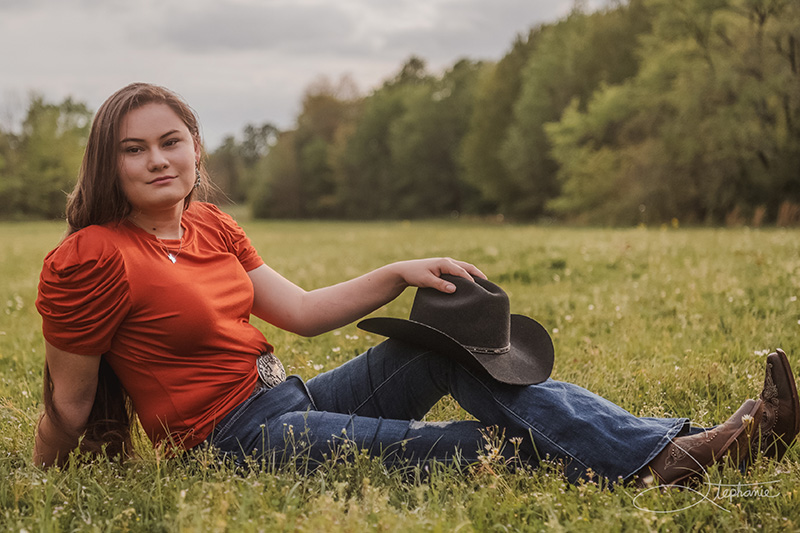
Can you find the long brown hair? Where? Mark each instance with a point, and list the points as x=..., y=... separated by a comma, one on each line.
x=98, y=199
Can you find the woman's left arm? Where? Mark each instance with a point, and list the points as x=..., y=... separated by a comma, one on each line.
x=287, y=306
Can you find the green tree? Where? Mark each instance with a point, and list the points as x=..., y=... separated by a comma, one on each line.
x=9, y=182
x=278, y=193
x=361, y=157
x=235, y=166
x=400, y=156
x=424, y=144
x=496, y=92
x=367, y=178
x=41, y=164
x=707, y=128
x=306, y=186
x=601, y=155
x=571, y=59
x=226, y=168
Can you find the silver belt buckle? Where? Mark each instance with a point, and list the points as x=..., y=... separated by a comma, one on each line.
x=270, y=370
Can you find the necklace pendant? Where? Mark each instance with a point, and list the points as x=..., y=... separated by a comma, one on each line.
x=171, y=258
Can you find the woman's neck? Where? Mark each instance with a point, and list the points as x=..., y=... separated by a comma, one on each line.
x=162, y=224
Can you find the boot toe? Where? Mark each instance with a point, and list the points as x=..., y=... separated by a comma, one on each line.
x=780, y=422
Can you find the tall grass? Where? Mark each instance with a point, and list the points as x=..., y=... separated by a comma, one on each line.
x=663, y=322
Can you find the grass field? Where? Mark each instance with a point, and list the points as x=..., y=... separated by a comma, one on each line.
x=664, y=322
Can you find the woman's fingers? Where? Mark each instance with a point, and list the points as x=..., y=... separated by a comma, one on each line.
x=468, y=270
x=453, y=267
x=428, y=272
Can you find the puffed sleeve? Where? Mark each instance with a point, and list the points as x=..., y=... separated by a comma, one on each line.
x=237, y=240
x=83, y=293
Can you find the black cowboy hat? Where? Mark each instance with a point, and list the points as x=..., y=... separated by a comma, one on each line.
x=473, y=325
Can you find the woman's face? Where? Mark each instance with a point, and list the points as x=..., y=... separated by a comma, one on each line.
x=157, y=158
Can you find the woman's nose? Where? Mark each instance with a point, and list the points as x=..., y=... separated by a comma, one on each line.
x=157, y=160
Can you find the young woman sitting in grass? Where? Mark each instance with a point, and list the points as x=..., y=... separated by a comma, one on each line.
x=146, y=308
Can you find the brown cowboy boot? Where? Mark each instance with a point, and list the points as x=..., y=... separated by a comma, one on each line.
x=688, y=457
x=780, y=422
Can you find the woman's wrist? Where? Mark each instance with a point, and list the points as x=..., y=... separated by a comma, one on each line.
x=397, y=280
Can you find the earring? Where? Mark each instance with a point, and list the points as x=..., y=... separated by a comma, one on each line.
x=197, y=173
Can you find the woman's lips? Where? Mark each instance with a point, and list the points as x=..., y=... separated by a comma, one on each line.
x=162, y=179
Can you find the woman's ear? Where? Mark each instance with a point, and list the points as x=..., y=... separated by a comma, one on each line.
x=198, y=150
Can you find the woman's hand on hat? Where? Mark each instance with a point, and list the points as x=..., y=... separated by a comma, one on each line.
x=427, y=272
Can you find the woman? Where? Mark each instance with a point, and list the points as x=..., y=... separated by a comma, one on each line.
x=150, y=296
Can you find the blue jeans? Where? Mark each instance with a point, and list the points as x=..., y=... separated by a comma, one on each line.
x=375, y=400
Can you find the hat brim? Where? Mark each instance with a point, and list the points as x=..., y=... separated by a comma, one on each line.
x=528, y=361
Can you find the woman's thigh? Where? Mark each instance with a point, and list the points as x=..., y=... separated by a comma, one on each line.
x=282, y=425
x=391, y=380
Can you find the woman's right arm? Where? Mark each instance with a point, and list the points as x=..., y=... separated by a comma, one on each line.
x=74, y=379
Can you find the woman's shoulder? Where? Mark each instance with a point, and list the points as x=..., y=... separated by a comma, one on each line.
x=207, y=212
x=221, y=229
x=93, y=248
x=209, y=215
x=83, y=291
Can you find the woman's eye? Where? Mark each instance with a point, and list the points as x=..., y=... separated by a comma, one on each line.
x=171, y=142
x=133, y=150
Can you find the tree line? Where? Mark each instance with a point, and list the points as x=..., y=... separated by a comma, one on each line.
x=39, y=164
x=641, y=112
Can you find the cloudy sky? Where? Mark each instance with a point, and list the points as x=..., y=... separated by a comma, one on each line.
x=241, y=61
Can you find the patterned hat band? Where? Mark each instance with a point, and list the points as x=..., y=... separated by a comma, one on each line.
x=488, y=351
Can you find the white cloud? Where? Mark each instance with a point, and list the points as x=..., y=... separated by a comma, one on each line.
x=291, y=28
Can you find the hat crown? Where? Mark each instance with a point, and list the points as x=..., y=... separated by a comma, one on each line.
x=476, y=315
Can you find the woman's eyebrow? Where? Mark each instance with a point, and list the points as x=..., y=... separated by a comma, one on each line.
x=135, y=140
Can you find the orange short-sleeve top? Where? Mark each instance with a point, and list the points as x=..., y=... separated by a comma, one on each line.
x=178, y=335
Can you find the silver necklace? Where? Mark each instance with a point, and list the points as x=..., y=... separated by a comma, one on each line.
x=172, y=257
